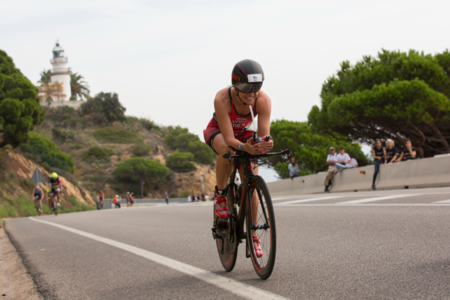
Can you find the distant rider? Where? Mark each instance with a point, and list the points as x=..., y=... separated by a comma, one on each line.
x=37, y=195
x=55, y=187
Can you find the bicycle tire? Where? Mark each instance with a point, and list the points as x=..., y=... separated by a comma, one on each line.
x=263, y=266
x=55, y=206
x=228, y=259
x=38, y=207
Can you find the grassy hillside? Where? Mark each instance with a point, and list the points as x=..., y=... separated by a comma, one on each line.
x=96, y=146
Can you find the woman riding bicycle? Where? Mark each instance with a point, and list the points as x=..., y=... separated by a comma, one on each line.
x=37, y=196
x=231, y=126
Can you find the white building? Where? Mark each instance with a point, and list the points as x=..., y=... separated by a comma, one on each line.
x=60, y=74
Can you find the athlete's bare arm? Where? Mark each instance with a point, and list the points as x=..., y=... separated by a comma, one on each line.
x=264, y=110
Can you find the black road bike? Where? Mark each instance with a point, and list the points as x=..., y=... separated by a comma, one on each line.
x=249, y=204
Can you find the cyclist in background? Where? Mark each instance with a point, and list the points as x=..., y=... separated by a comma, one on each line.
x=55, y=187
x=37, y=196
x=231, y=126
x=100, y=199
x=130, y=198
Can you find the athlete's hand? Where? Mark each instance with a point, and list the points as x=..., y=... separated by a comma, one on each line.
x=268, y=145
x=251, y=148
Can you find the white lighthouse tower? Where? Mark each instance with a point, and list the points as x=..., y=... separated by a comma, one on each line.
x=61, y=73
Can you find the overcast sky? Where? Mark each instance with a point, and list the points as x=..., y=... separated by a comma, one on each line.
x=167, y=59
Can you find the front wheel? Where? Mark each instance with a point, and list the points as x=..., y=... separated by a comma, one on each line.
x=226, y=241
x=261, y=224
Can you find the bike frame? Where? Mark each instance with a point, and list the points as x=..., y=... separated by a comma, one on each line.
x=244, y=159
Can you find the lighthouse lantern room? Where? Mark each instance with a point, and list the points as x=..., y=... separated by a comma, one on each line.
x=60, y=72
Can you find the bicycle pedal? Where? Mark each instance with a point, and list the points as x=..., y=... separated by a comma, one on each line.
x=214, y=233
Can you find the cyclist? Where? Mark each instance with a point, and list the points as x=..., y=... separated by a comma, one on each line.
x=231, y=125
x=100, y=199
x=37, y=196
x=55, y=187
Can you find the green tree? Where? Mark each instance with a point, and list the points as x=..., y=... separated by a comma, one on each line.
x=141, y=149
x=181, y=139
x=20, y=110
x=97, y=154
x=45, y=77
x=106, y=103
x=181, y=162
x=396, y=95
x=308, y=148
x=78, y=86
x=202, y=153
x=141, y=170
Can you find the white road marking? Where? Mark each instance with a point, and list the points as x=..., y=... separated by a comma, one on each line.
x=230, y=285
x=306, y=200
x=377, y=199
x=443, y=201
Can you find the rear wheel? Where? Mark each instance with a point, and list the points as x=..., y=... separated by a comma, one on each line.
x=226, y=241
x=38, y=207
x=55, y=206
x=261, y=223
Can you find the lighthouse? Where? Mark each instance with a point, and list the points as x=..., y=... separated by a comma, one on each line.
x=61, y=73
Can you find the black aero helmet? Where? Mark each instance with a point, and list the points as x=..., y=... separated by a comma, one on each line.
x=247, y=76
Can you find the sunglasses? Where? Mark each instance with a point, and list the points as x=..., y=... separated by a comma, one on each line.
x=248, y=87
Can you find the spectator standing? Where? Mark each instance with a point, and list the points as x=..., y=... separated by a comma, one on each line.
x=131, y=198
x=342, y=159
x=116, y=201
x=391, y=152
x=409, y=154
x=127, y=198
x=293, y=169
x=379, y=154
x=167, y=197
x=203, y=197
x=331, y=162
x=189, y=198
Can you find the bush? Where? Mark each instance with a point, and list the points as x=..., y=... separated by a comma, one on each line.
x=185, y=194
x=97, y=153
x=173, y=195
x=107, y=104
x=46, y=151
x=179, y=138
x=141, y=149
x=202, y=153
x=147, y=124
x=181, y=162
x=116, y=135
x=62, y=135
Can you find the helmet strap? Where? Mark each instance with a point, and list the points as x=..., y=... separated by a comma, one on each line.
x=237, y=94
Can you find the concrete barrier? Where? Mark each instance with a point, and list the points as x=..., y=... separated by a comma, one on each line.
x=139, y=202
x=428, y=172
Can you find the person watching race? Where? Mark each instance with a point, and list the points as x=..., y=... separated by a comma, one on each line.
x=100, y=199
x=116, y=201
x=55, y=187
x=37, y=196
x=231, y=126
x=129, y=197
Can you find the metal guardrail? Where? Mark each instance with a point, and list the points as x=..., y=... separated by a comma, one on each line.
x=123, y=202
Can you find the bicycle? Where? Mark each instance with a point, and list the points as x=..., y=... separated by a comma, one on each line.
x=37, y=205
x=229, y=233
x=55, y=206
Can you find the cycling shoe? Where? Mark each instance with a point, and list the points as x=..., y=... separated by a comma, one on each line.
x=258, y=250
x=222, y=212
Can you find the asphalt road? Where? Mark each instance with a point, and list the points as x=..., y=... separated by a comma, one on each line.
x=371, y=245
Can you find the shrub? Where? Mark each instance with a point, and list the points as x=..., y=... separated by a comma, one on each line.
x=46, y=152
x=173, y=195
x=202, y=153
x=181, y=162
x=147, y=124
x=179, y=138
x=116, y=135
x=62, y=135
x=185, y=194
x=97, y=153
x=141, y=149
x=107, y=104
